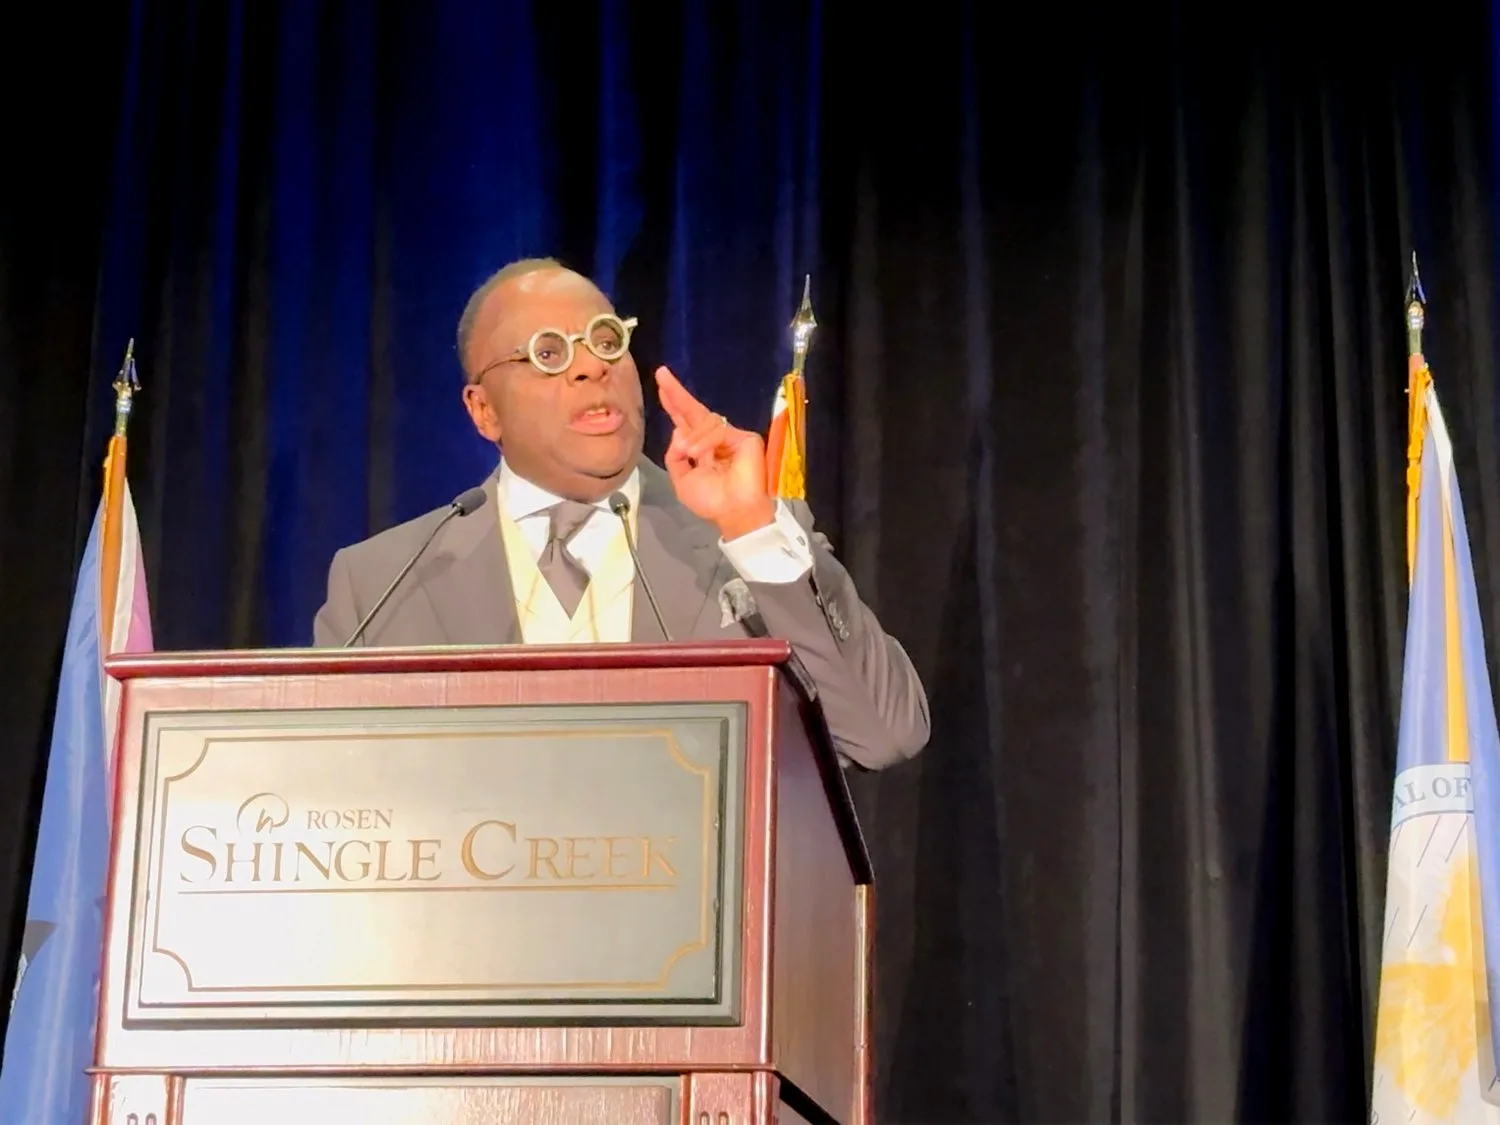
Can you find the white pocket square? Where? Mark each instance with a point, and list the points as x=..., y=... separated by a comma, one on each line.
x=736, y=602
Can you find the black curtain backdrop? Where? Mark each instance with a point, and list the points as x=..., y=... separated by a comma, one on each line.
x=1107, y=420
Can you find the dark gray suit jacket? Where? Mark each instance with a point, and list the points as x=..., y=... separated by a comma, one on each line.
x=460, y=594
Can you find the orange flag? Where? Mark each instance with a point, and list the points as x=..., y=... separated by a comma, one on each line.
x=786, y=442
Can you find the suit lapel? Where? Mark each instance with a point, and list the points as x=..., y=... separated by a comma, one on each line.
x=680, y=556
x=467, y=581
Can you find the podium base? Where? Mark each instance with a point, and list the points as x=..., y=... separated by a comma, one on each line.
x=698, y=1098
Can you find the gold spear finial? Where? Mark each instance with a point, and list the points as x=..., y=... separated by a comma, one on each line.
x=802, y=328
x=127, y=386
x=1416, y=310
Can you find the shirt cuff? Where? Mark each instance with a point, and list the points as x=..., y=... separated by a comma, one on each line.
x=775, y=554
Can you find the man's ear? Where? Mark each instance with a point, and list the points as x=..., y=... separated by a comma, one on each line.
x=481, y=413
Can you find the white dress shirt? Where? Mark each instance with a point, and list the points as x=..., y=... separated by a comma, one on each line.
x=778, y=552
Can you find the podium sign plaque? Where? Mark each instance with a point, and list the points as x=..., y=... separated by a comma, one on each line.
x=279, y=856
x=620, y=883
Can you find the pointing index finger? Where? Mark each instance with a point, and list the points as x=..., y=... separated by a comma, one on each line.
x=684, y=410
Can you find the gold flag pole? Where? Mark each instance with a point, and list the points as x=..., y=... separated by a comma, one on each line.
x=126, y=386
x=1419, y=378
x=802, y=328
x=786, y=444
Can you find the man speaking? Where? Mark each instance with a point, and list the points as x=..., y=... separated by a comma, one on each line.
x=545, y=552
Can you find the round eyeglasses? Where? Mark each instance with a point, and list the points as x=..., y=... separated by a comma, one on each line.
x=550, y=350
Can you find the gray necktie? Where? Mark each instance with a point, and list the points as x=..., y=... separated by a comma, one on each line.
x=563, y=572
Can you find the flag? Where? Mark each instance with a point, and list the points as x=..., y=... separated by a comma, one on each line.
x=786, y=441
x=1434, y=1039
x=49, y=1039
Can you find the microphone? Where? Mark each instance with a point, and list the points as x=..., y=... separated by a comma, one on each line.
x=464, y=504
x=619, y=504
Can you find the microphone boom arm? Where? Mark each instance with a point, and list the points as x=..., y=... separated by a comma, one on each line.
x=619, y=504
x=462, y=506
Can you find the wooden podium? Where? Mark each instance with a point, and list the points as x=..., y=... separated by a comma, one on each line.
x=618, y=884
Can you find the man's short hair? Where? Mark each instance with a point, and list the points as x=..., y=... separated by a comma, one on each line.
x=476, y=301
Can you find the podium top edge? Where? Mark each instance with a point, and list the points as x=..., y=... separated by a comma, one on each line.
x=445, y=658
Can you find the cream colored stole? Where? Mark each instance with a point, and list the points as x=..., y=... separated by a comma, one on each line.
x=604, y=613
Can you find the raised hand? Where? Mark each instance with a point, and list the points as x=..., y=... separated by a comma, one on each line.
x=718, y=471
